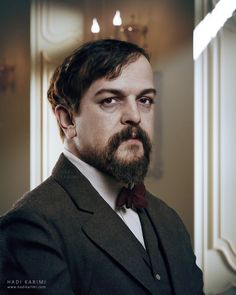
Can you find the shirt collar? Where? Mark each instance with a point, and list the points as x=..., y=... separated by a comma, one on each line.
x=104, y=184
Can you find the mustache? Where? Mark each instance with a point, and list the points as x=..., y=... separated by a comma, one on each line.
x=130, y=132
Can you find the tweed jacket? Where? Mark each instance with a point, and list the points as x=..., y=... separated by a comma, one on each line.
x=63, y=238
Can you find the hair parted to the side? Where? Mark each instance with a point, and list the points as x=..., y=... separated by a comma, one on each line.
x=94, y=60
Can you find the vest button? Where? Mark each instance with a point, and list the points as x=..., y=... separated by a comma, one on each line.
x=158, y=277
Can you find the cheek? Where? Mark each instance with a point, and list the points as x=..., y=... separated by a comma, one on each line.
x=148, y=125
x=93, y=133
x=151, y=134
x=102, y=127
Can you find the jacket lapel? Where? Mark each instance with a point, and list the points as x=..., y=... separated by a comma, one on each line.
x=165, y=226
x=104, y=227
x=114, y=237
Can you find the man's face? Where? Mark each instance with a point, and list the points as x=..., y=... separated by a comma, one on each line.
x=116, y=118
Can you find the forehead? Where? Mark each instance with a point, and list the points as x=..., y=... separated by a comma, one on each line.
x=135, y=76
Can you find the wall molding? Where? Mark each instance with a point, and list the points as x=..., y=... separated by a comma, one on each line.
x=49, y=34
x=220, y=242
x=215, y=245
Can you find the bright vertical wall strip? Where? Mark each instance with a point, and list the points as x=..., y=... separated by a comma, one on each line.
x=207, y=29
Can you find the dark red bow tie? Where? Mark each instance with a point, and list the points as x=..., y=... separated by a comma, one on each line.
x=134, y=197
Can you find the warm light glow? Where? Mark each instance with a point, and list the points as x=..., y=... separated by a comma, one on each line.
x=117, y=21
x=211, y=24
x=95, y=29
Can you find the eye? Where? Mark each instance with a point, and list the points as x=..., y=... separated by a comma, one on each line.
x=146, y=101
x=110, y=101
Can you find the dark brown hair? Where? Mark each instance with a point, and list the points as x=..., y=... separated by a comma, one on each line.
x=90, y=62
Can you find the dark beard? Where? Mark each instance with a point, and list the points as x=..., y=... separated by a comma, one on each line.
x=123, y=171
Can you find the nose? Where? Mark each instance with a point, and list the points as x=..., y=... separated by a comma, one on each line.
x=130, y=113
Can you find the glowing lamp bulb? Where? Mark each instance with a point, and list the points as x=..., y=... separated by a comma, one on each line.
x=117, y=21
x=95, y=28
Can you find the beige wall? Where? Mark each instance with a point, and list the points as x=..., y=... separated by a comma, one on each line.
x=170, y=25
x=14, y=103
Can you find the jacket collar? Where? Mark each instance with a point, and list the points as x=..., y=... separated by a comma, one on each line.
x=104, y=226
x=107, y=186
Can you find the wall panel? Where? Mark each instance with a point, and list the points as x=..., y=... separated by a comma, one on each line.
x=215, y=160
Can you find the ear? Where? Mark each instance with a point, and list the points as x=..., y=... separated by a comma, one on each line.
x=65, y=121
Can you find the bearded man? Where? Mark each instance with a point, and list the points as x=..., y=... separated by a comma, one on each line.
x=91, y=227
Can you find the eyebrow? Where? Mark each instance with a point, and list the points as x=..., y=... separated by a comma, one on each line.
x=121, y=93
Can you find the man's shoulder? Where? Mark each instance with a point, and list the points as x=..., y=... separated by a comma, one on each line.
x=159, y=204
x=162, y=211
x=44, y=193
x=47, y=197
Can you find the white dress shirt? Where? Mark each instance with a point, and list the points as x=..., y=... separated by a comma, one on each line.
x=108, y=188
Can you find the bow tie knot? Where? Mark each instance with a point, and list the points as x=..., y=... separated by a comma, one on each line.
x=134, y=197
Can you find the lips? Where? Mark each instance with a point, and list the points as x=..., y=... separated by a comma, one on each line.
x=132, y=137
x=133, y=140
